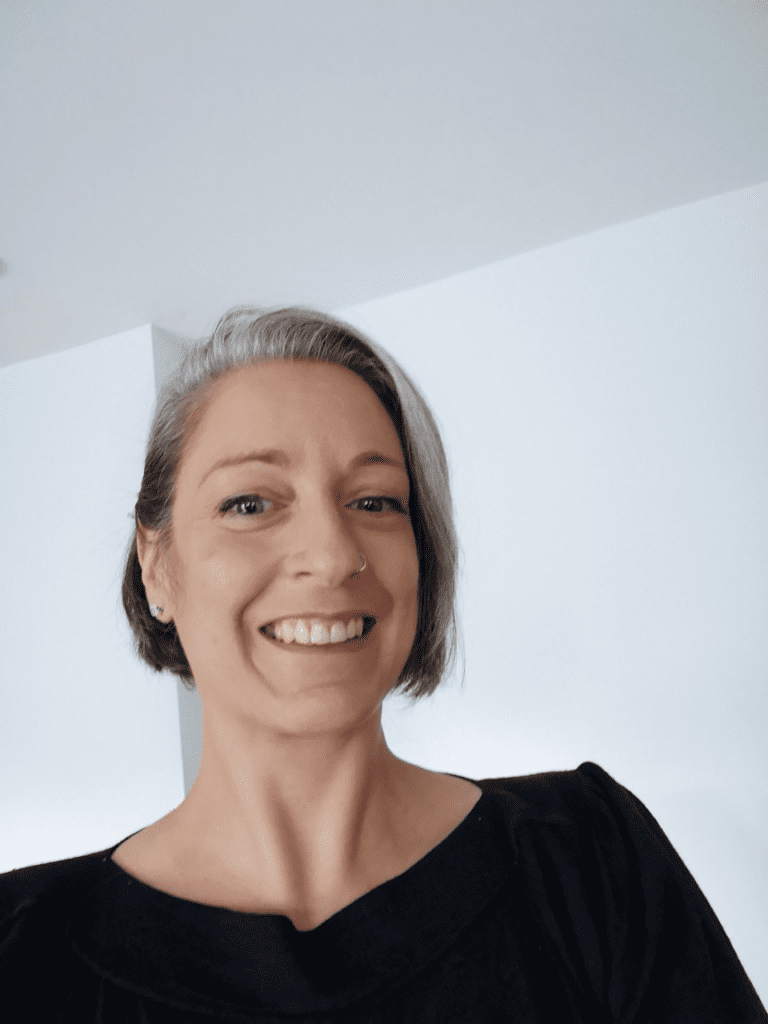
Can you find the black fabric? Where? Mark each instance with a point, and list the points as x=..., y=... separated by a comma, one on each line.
x=557, y=899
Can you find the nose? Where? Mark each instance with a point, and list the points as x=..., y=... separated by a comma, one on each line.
x=325, y=543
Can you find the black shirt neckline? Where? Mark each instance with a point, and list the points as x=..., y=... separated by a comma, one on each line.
x=195, y=956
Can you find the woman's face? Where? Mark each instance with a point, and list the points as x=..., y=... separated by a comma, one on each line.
x=259, y=540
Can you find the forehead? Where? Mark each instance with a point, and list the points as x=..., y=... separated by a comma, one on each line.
x=296, y=403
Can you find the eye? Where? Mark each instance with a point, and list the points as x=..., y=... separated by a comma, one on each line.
x=243, y=501
x=398, y=505
x=255, y=503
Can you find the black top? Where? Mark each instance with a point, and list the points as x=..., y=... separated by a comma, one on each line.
x=557, y=899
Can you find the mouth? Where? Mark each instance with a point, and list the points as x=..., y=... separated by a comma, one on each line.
x=297, y=648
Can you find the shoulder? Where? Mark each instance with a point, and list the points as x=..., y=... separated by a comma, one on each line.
x=561, y=798
x=582, y=825
x=50, y=887
x=39, y=969
x=592, y=814
x=612, y=899
x=544, y=788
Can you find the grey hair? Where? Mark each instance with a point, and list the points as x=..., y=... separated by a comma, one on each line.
x=245, y=336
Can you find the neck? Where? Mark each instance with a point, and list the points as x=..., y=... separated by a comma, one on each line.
x=297, y=819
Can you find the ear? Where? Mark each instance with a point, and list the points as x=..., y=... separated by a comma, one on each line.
x=154, y=574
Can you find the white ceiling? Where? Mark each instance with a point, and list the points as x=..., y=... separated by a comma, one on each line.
x=166, y=159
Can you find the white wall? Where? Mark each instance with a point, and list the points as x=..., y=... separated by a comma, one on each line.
x=90, y=747
x=603, y=402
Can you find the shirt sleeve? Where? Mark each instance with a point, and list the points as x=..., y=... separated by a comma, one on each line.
x=665, y=956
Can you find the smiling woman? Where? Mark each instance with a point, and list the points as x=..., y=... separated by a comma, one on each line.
x=245, y=338
x=294, y=558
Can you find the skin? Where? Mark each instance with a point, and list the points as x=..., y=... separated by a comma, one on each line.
x=299, y=806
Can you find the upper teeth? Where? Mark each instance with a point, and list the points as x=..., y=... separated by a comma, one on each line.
x=315, y=631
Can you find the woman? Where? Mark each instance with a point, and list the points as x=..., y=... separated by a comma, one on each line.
x=295, y=560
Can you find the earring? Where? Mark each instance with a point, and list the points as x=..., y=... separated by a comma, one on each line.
x=154, y=610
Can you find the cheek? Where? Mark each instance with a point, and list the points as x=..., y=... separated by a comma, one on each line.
x=405, y=583
x=230, y=578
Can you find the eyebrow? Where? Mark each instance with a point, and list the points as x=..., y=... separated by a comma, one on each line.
x=277, y=457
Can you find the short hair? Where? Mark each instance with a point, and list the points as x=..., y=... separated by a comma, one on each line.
x=246, y=336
